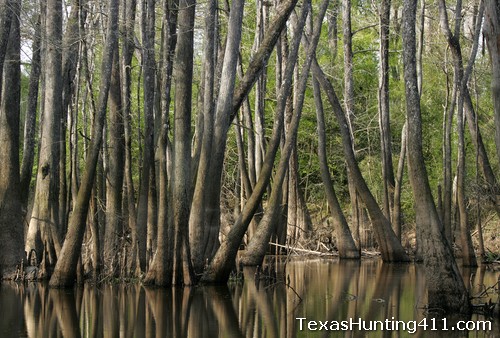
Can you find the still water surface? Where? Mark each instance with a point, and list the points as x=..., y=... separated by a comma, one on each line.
x=264, y=305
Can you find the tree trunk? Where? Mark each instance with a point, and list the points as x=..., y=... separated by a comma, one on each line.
x=460, y=82
x=31, y=114
x=333, y=37
x=345, y=242
x=397, y=218
x=220, y=267
x=383, y=110
x=447, y=171
x=160, y=271
x=43, y=225
x=356, y=207
x=256, y=250
x=70, y=58
x=115, y=173
x=197, y=229
x=390, y=248
x=11, y=222
x=260, y=89
x=65, y=270
x=5, y=22
x=125, y=68
x=446, y=288
x=148, y=70
x=181, y=180
x=492, y=35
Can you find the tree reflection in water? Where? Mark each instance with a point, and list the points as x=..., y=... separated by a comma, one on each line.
x=266, y=304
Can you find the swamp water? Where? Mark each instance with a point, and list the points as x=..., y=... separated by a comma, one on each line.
x=308, y=298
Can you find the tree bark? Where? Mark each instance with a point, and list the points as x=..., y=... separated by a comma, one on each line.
x=181, y=180
x=197, y=229
x=148, y=70
x=125, y=69
x=160, y=272
x=220, y=267
x=446, y=288
x=356, y=207
x=5, y=21
x=345, y=242
x=397, y=218
x=461, y=77
x=65, y=270
x=43, y=225
x=384, y=111
x=492, y=34
x=390, y=248
x=11, y=225
x=115, y=173
x=31, y=115
x=256, y=250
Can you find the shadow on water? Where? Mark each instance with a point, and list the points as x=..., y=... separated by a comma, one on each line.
x=277, y=303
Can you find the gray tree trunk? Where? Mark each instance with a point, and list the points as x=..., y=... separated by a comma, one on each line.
x=492, y=35
x=31, y=115
x=125, y=68
x=446, y=288
x=389, y=245
x=356, y=207
x=196, y=220
x=461, y=77
x=11, y=216
x=115, y=173
x=384, y=111
x=65, y=270
x=345, y=242
x=43, y=225
x=256, y=250
x=160, y=271
x=5, y=26
x=181, y=180
x=148, y=70
x=397, y=218
x=220, y=267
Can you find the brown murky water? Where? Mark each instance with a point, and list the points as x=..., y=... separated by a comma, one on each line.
x=307, y=298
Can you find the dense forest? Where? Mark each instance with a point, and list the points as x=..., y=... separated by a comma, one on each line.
x=154, y=140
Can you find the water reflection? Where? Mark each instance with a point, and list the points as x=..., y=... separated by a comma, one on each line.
x=264, y=305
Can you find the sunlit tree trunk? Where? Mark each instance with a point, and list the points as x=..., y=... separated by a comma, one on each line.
x=257, y=248
x=397, y=218
x=356, y=208
x=260, y=88
x=65, y=270
x=384, y=111
x=148, y=70
x=70, y=57
x=196, y=220
x=11, y=223
x=43, y=224
x=461, y=77
x=492, y=35
x=127, y=29
x=345, y=242
x=114, y=180
x=333, y=38
x=220, y=267
x=31, y=117
x=446, y=287
x=181, y=180
x=5, y=22
x=160, y=271
x=389, y=245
